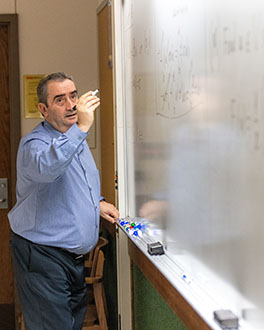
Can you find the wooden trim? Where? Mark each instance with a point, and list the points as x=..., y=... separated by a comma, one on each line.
x=101, y=6
x=179, y=305
x=106, y=108
x=132, y=295
x=11, y=22
x=14, y=94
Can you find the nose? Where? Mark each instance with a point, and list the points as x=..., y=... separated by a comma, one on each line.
x=70, y=104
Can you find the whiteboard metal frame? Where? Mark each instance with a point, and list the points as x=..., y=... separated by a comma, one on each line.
x=124, y=280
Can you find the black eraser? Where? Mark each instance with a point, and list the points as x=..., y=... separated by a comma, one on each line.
x=226, y=319
x=155, y=248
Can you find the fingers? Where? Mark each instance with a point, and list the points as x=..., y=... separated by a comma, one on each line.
x=110, y=219
x=89, y=95
x=88, y=101
x=109, y=212
x=86, y=106
x=113, y=214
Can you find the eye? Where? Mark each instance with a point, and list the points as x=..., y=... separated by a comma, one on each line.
x=59, y=100
x=74, y=97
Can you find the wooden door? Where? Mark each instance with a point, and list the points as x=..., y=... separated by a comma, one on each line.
x=10, y=135
x=106, y=102
x=107, y=153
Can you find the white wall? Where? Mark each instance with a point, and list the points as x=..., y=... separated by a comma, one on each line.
x=57, y=35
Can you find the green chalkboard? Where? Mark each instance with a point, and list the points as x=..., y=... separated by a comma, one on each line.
x=151, y=312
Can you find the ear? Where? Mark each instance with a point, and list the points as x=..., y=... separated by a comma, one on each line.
x=43, y=109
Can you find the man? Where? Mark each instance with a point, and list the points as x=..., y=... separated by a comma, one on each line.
x=56, y=218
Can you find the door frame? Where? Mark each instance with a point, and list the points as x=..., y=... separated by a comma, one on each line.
x=124, y=266
x=11, y=20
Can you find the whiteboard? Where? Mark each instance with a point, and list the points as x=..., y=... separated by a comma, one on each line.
x=194, y=121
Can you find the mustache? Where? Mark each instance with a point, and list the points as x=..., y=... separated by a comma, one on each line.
x=71, y=112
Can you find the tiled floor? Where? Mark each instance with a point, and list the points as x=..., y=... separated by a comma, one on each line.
x=7, y=318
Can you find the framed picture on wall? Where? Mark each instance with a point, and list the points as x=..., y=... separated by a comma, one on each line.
x=30, y=95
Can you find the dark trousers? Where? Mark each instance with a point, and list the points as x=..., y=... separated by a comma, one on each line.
x=51, y=286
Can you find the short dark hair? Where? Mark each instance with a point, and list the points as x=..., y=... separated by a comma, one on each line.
x=42, y=90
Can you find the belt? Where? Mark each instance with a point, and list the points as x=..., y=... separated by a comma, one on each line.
x=73, y=255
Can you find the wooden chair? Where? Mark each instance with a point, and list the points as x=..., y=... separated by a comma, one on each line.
x=96, y=314
x=21, y=322
x=91, y=261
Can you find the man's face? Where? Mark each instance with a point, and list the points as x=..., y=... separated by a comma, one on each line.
x=62, y=97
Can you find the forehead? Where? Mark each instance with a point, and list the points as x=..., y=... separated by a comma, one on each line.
x=60, y=87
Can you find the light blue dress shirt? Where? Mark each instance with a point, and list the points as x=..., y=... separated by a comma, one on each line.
x=58, y=190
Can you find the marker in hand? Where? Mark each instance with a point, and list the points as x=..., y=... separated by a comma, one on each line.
x=93, y=94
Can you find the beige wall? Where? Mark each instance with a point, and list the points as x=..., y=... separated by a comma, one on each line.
x=57, y=35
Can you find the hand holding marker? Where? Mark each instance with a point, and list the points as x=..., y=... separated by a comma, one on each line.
x=85, y=107
x=95, y=92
